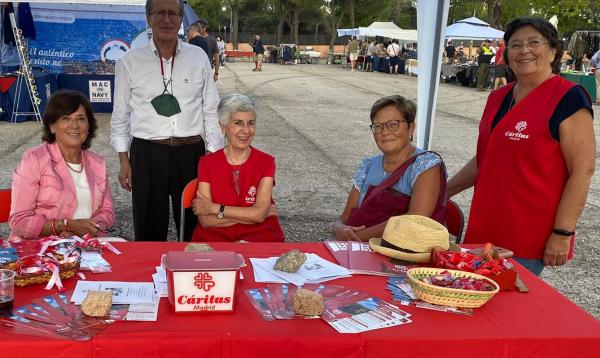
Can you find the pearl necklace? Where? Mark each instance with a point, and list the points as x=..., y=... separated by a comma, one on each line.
x=75, y=170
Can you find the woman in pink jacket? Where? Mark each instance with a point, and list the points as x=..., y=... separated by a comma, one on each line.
x=60, y=187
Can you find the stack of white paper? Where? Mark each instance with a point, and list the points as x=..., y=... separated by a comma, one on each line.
x=160, y=281
x=93, y=261
x=139, y=298
x=314, y=270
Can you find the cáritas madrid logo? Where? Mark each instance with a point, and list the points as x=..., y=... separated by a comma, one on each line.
x=518, y=135
x=204, y=281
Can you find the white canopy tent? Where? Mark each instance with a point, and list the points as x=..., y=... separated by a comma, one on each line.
x=402, y=35
x=377, y=29
x=388, y=29
x=347, y=32
x=472, y=29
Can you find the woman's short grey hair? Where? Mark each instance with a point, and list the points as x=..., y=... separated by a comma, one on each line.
x=406, y=107
x=233, y=103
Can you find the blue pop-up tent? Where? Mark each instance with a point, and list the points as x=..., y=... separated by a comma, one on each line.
x=472, y=29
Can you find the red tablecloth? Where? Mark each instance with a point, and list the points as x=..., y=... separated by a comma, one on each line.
x=541, y=323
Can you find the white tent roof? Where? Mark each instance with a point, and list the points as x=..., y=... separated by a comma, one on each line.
x=402, y=35
x=472, y=29
x=387, y=29
x=347, y=32
x=384, y=25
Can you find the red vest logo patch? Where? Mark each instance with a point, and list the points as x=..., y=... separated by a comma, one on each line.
x=251, y=197
x=518, y=135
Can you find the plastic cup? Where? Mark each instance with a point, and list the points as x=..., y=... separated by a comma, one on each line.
x=7, y=291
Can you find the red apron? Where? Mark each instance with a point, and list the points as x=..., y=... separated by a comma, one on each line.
x=521, y=173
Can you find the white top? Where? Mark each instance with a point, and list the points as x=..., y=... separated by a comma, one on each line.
x=138, y=80
x=393, y=49
x=83, y=210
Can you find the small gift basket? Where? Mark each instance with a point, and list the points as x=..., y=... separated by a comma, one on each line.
x=49, y=268
x=48, y=265
x=435, y=286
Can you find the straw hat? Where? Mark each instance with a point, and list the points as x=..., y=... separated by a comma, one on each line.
x=411, y=238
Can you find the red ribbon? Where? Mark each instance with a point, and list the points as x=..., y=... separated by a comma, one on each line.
x=40, y=264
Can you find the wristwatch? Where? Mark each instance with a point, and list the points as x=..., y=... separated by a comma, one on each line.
x=221, y=213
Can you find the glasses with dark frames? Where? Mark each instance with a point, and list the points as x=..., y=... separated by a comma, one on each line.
x=392, y=126
x=110, y=231
x=518, y=46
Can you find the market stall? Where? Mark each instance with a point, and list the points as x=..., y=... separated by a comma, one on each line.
x=541, y=323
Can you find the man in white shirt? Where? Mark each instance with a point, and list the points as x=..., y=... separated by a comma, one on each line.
x=166, y=99
x=393, y=51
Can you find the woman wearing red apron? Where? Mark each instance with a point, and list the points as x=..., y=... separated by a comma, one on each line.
x=535, y=154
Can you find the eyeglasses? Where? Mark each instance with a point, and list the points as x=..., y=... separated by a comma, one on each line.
x=518, y=46
x=392, y=126
x=112, y=231
x=162, y=14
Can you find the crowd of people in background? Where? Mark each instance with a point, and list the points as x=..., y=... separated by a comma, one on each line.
x=379, y=55
x=490, y=57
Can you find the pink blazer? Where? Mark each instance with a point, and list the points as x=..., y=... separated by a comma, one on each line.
x=42, y=189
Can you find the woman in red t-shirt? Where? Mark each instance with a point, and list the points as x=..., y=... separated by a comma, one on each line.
x=235, y=184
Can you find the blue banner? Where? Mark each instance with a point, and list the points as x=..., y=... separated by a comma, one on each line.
x=80, y=35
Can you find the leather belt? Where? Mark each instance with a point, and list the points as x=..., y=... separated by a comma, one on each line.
x=177, y=141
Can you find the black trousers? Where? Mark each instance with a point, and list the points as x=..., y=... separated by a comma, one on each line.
x=160, y=171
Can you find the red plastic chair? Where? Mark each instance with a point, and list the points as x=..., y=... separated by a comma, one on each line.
x=187, y=197
x=4, y=205
x=455, y=221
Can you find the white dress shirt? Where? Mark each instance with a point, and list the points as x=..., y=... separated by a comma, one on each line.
x=393, y=49
x=138, y=80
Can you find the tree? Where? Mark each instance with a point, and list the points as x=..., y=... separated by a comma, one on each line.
x=282, y=9
x=350, y=5
x=493, y=12
x=293, y=18
x=335, y=13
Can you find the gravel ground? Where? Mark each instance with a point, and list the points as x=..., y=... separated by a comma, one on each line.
x=313, y=119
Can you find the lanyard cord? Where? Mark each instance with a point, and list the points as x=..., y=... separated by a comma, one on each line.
x=162, y=72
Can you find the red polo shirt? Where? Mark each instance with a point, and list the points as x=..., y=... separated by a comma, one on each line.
x=215, y=170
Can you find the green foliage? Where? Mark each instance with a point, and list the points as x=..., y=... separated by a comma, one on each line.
x=262, y=15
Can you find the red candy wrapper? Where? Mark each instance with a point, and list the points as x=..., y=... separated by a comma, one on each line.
x=499, y=270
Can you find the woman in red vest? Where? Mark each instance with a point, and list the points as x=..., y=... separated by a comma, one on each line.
x=535, y=154
x=235, y=183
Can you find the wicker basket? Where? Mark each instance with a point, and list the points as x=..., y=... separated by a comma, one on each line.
x=449, y=296
x=67, y=270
